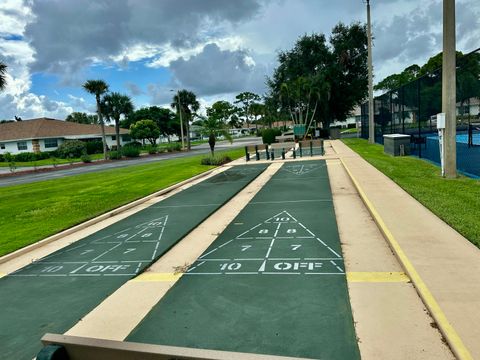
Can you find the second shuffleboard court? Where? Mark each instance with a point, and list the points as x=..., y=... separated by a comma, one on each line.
x=272, y=283
x=53, y=293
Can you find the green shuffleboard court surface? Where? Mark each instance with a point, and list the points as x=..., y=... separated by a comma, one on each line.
x=55, y=292
x=272, y=283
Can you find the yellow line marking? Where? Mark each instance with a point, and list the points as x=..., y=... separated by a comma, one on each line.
x=149, y=276
x=377, y=277
x=456, y=344
x=2, y=275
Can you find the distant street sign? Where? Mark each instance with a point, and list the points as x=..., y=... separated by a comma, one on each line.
x=299, y=129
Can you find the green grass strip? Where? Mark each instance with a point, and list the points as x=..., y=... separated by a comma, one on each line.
x=455, y=201
x=31, y=212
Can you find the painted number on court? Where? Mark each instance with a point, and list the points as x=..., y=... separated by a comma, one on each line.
x=129, y=250
x=245, y=247
x=263, y=231
x=230, y=266
x=295, y=247
x=291, y=231
x=52, y=269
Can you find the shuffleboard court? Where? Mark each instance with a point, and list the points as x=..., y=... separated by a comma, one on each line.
x=272, y=283
x=53, y=293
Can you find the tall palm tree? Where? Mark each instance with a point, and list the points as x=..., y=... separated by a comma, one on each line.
x=3, y=78
x=116, y=105
x=98, y=88
x=188, y=106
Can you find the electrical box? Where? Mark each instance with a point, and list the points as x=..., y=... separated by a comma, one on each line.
x=441, y=121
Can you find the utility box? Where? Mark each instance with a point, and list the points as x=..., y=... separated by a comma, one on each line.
x=334, y=133
x=396, y=144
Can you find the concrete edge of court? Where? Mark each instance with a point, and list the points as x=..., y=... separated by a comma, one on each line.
x=109, y=214
x=451, y=336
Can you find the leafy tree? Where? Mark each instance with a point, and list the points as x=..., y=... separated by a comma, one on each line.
x=145, y=129
x=164, y=118
x=221, y=110
x=257, y=109
x=316, y=81
x=395, y=81
x=3, y=78
x=115, y=105
x=214, y=127
x=98, y=88
x=246, y=99
x=82, y=118
x=189, y=105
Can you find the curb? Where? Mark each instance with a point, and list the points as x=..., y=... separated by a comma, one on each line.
x=451, y=336
x=102, y=217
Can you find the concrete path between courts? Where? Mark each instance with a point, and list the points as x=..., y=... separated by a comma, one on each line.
x=443, y=265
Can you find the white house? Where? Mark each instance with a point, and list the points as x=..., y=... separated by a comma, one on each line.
x=46, y=134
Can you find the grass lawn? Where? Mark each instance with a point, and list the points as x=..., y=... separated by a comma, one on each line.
x=49, y=161
x=31, y=212
x=455, y=201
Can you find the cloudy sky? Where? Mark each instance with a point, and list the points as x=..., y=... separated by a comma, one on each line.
x=216, y=48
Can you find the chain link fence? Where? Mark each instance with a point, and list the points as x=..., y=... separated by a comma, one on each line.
x=412, y=109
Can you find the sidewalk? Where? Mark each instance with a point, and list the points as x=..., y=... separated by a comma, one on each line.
x=448, y=264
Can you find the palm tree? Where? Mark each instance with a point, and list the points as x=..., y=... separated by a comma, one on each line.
x=213, y=127
x=188, y=106
x=98, y=88
x=3, y=73
x=115, y=105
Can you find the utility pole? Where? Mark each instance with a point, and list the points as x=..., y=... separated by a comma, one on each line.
x=371, y=123
x=449, y=101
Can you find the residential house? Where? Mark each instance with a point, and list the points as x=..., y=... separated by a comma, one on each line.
x=45, y=134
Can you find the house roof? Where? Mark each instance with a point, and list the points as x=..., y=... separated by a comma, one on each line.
x=50, y=128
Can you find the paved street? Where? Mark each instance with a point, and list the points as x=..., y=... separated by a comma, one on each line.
x=196, y=150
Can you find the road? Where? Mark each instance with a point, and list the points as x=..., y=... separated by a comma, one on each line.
x=196, y=150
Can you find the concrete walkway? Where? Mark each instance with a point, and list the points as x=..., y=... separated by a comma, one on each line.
x=447, y=264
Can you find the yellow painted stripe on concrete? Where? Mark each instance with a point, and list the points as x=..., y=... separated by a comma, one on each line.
x=456, y=344
x=377, y=277
x=149, y=276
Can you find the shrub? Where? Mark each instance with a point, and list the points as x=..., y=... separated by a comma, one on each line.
x=94, y=147
x=23, y=157
x=268, y=136
x=151, y=149
x=86, y=158
x=72, y=149
x=215, y=160
x=131, y=151
x=2, y=158
x=174, y=146
x=114, y=155
x=134, y=144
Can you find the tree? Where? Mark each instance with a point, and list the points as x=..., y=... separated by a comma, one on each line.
x=316, y=81
x=213, y=127
x=395, y=81
x=257, y=109
x=145, y=129
x=189, y=105
x=115, y=105
x=245, y=99
x=98, y=88
x=164, y=118
x=221, y=110
x=82, y=118
x=3, y=76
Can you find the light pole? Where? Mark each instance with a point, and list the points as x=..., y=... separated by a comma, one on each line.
x=180, y=116
x=449, y=88
x=371, y=123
